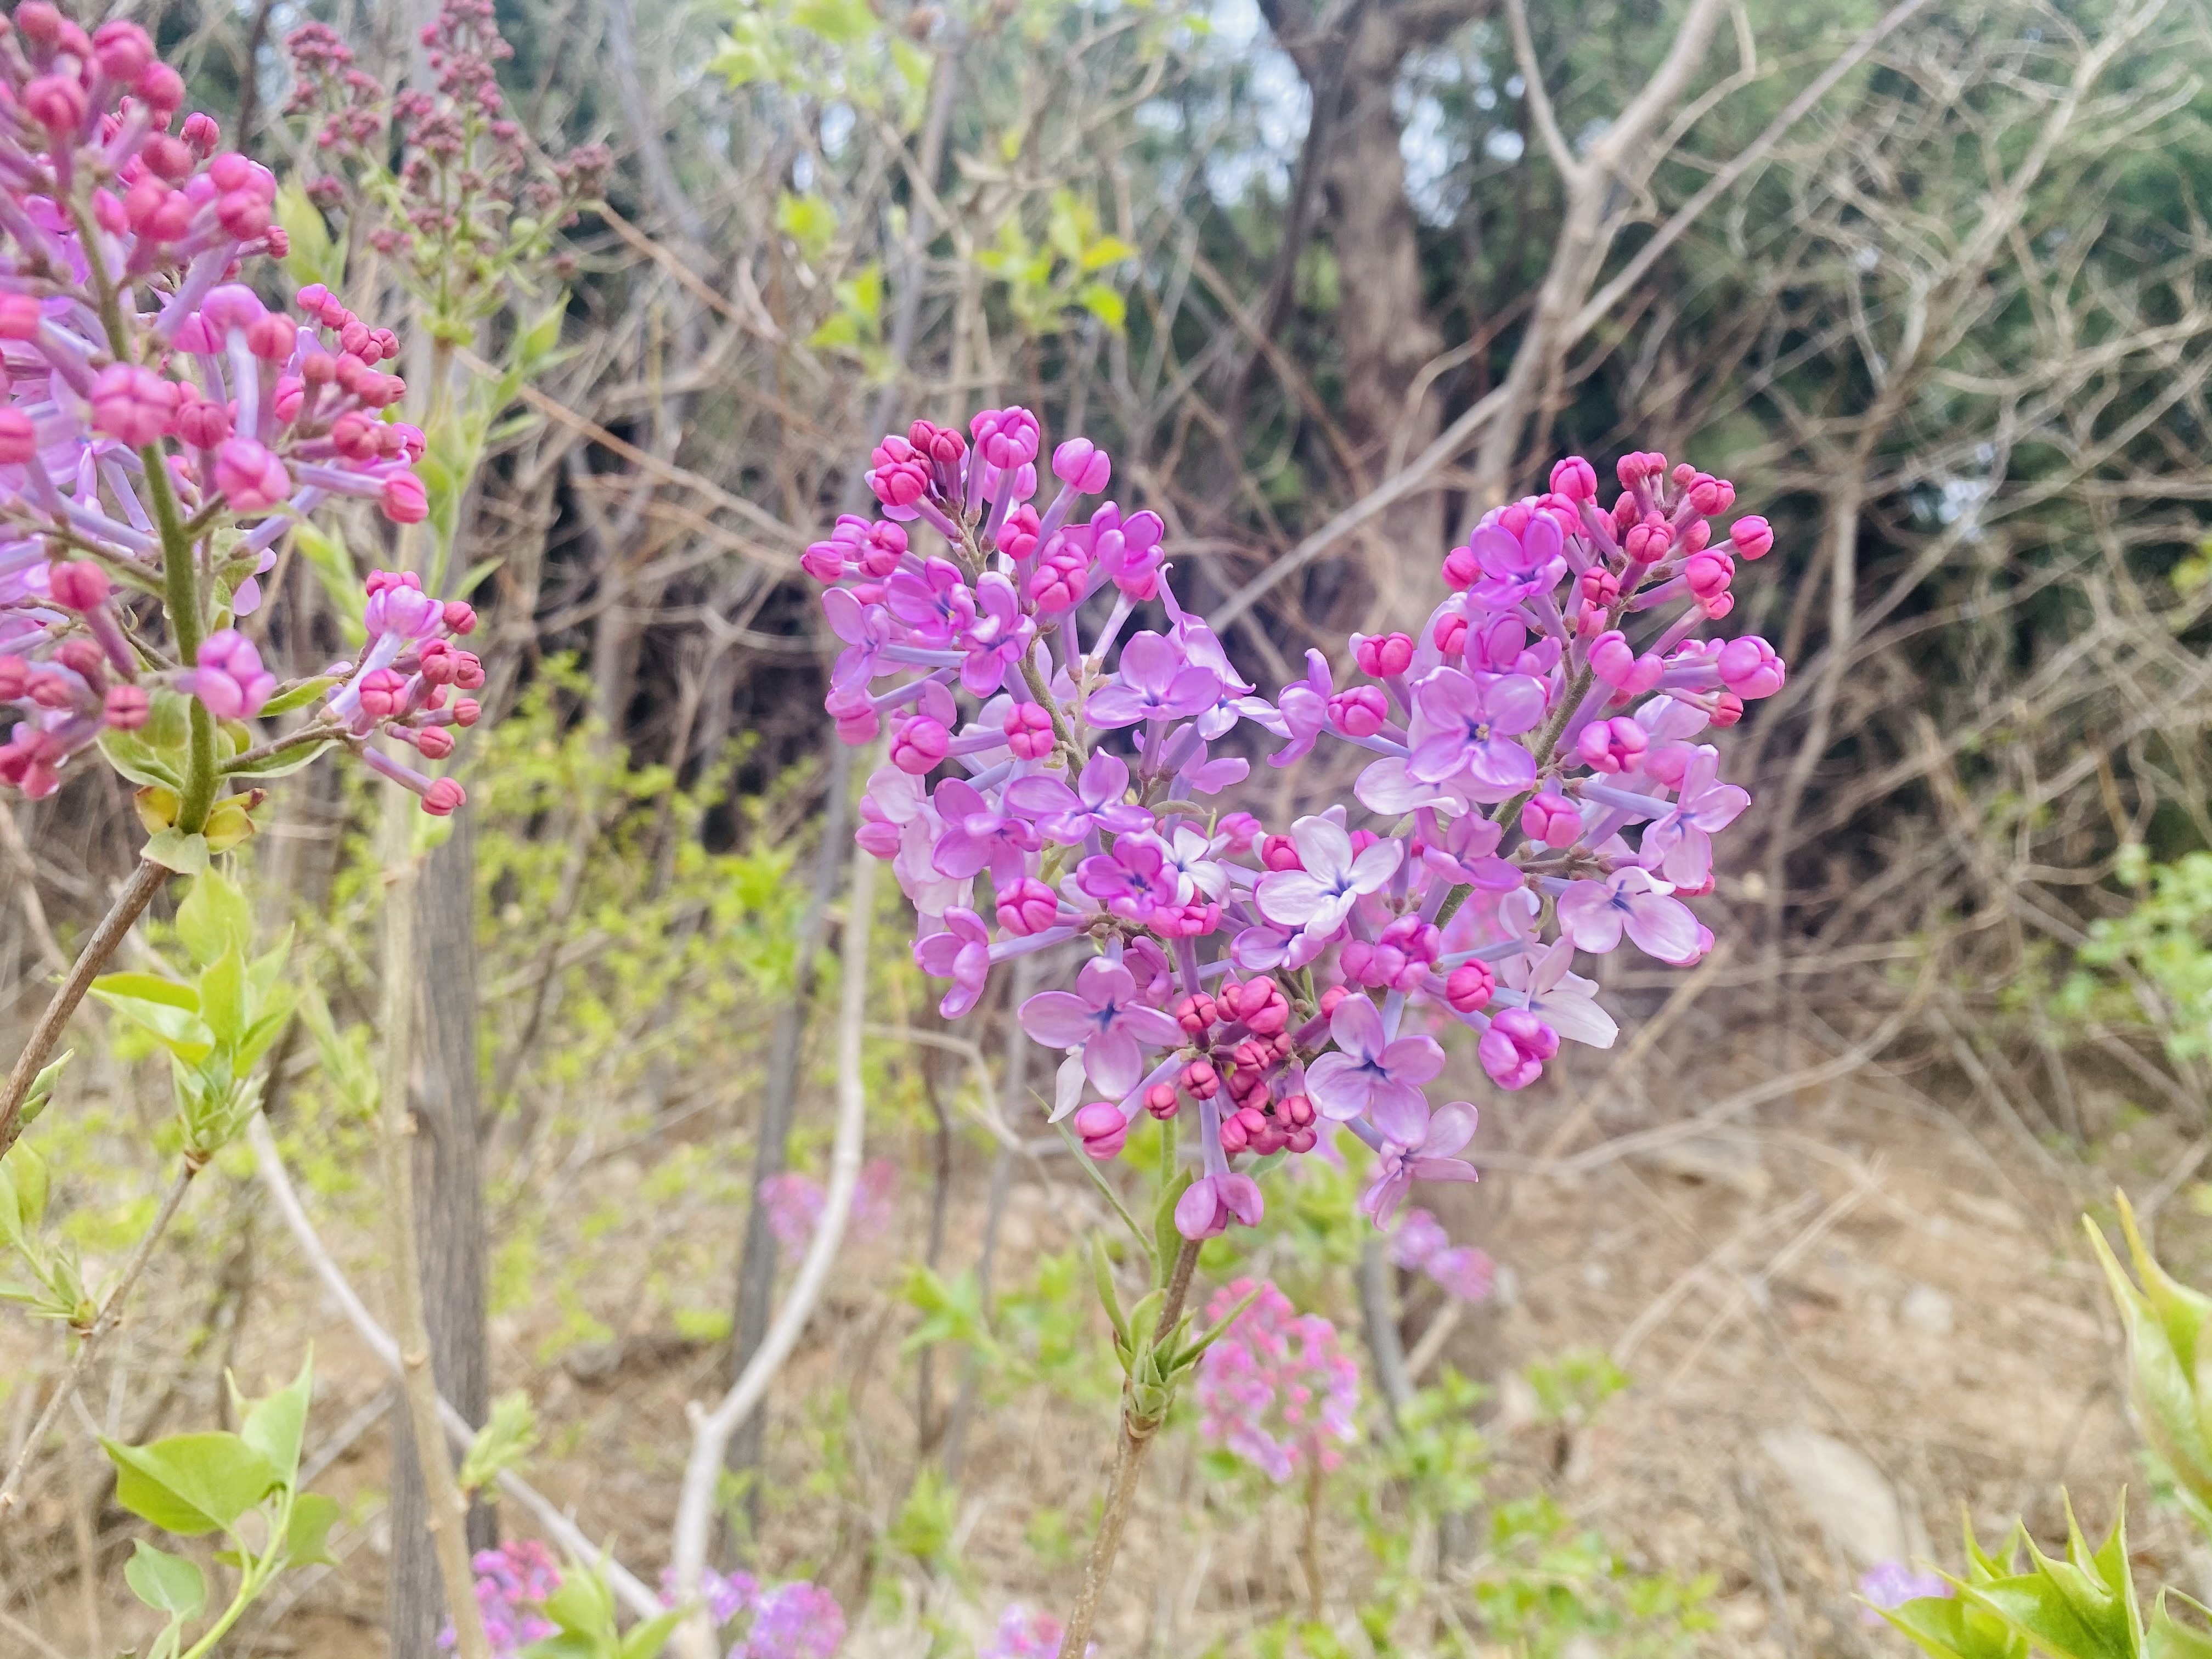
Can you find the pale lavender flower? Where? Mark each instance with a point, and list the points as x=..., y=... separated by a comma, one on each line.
x=1318, y=896
x=1102, y=1017
x=1427, y=1155
x=1594, y=914
x=1891, y=1584
x=1466, y=723
x=1680, y=844
x=797, y=1620
x=1157, y=683
x=1372, y=1073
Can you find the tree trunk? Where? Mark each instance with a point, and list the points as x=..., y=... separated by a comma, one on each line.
x=449, y=1197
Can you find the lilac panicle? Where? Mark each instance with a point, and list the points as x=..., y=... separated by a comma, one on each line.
x=1534, y=782
x=155, y=411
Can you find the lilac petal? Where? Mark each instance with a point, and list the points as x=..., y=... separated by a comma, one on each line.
x=1389, y=788
x=1580, y=1020
x=1102, y=982
x=1153, y=1025
x=1116, y=706
x=1401, y=1112
x=1442, y=1169
x=1451, y=1126
x=1058, y=1019
x=959, y=855
x=1193, y=691
x=1148, y=662
x=1663, y=927
x=1513, y=703
x=1587, y=916
x=1378, y=864
x=1199, y=1214
x=1037, y=796
x=1105, y=778
x=1413, y=1060
x=1067, y=1087
x=1116, y=1065
x=1357, y=1028
x=1289, y=896
x=1717, y=807
x=1240, y=1196
x=1323, y=847
x=1338, y=1086
x=1500, y=764
x=847, y=619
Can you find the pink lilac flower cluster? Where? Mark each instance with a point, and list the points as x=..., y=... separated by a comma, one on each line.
x=511, y=1581
x=1462, y=1272
x=467, y=189
x=152, y=400
x=1025, y=1633
x=794, y=1204
x=1277, y=1388
x=798, y=1620
x=1037, y=664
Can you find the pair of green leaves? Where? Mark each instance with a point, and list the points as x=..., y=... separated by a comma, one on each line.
x=2082, y=1606
x=583, y=1612
x=216, y=1024
x=192, y=1484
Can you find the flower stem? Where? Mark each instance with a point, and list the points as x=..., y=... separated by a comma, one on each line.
x=1135, y=1439
x=129, y=905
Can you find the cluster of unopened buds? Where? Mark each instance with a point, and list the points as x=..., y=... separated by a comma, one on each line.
x=1037, y=664
x=163, y=427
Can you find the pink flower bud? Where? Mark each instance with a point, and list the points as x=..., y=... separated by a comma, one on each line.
x=126, y=707
x=163, y=90
x=1331, y=998
x=1640, y=466
x=1029, y=730
x=468, y=671
x=251, y=476
x=1753, y=537
x=1027, y=906
x=273, y=337
x=403, y=499
x=458, y=616
x=232, y=305
x=466, y=712
x=1515, y=1047
x=443, y=798
x=1469, y=986
x=383, y=692
x=79, y=587
x=919, y=744
x=1197, y=1013
x=434, y=741
x=1381, y=655
x=1280, y=853
x=1551, y=818
x=1749, y=668
x=1727, y=709
x=200, y=133
x=438, y=663
x=132, y=404
x=1057, y=583
x=55, y=102
x=1082, y=464
x=41, y=23
x=1614, y=745
x=1710, y=496
x=1616, y=664
x=1575, y=478
x=1102, y=1128
x=1263, y=1007
x=1358, y=711
x=1200, y=1081
x=19, y=439
x=15, y=678
x=311, y=299
x=1717, y=606
x=19, y=317
x=203, y=422
x=1161, y=1101
x=1462, y=569
x=1709, y=574
x=228, y=677
x=1241, y=829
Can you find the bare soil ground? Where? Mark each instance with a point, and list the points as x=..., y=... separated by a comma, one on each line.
x=1847, y=1313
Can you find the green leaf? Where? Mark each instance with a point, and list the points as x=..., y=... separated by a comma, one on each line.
x=840, y=22
x=300, y=696
x=646, y=1640
x=115, y=989
x=223, y=997
x=139, y=761
x=167, y=1583
x=307, y=1539
x=810, y=221
x=585, y=1606
x=214, y=919
x=190, y=1484
x=282, y=763
x=172, y=849
x=508, y=1436
x=1104, y=303
x=276, y=1424
x=1107, y=251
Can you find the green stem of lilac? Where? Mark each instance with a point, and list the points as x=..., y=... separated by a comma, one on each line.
x=1134, y=1439
x=180, y=598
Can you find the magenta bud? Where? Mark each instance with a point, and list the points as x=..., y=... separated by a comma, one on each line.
x=1469, y=986
x=919, y=744
x=1083, y=465
x=443, y=798
x=1754, y=537
x=79, y=587
x=1575, y=478
x=127, y=707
